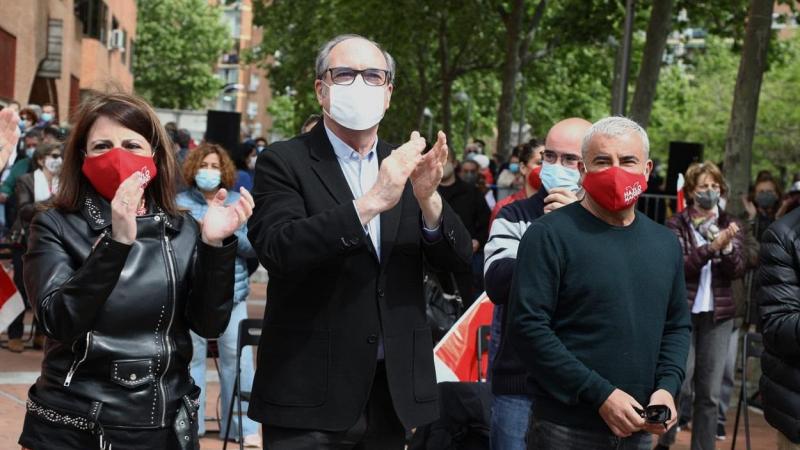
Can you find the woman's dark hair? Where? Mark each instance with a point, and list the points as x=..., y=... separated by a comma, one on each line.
x=241, y=154
x=135, y=114
x=42, y=151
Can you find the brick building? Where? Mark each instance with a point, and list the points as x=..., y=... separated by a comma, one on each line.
x=247, y=89
x=53, y=50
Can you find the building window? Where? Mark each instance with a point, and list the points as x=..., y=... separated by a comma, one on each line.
x=8, y=54
x=93, y=14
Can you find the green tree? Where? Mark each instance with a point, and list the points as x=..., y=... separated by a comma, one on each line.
x=178, y=44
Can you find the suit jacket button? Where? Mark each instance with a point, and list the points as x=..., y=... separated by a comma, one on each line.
x=373, y=338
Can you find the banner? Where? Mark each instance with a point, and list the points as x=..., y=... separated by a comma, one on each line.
x=456, y=355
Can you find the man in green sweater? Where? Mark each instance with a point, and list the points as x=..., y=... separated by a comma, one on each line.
x=598, y=305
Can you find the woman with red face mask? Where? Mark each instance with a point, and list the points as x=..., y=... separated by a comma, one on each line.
x=117, y=276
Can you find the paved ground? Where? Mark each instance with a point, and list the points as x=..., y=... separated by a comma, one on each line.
x=18, y=371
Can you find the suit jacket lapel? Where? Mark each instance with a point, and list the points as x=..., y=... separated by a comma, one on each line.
x=325, y=165
x=390, y=220
x=327, y=168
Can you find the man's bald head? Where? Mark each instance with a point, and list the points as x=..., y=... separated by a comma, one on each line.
x=566, y=136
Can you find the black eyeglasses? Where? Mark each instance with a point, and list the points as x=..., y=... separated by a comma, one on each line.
x=567, y=159
x=345, y=76
x=655, y=414
x=55, y=155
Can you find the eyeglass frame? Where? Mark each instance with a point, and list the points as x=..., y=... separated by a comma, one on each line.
x=386, y=73
x=560, y=158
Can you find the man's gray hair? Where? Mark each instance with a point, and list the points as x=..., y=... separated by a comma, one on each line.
x=615, y=126
x=324, y=55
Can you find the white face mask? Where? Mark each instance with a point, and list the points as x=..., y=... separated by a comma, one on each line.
x=358, y=106
x=53, y=165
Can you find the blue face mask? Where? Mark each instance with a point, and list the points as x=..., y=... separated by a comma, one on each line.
x=259, y=149
x=30, y=151
x=47, y=117
x=513, y=167
x=208, y=179
x=557, y=176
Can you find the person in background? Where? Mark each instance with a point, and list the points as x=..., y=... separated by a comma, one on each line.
x=51, y=135
x=49, y=116
x=310, y=123
x=507, y=180
x=261, y=144
x=207, y=169
x=714, y=255
x=779, y=303
x=763, y=204
x=530, y=158
x=792, y=198
x=118, y=275
x=32, y=190
x=597, y=353
x=27, y=120
x=513, y=393
x=183, y=138
x=468, y=203
x=21, y=165
x=245, y=160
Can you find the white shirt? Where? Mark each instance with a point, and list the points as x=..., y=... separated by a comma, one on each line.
x=704, y=300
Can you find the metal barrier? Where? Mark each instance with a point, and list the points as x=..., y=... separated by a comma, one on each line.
x=658, y=207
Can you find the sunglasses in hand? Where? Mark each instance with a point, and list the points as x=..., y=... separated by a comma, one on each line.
x=655, y=414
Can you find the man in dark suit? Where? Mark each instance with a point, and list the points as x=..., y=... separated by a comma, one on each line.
x=342, y=223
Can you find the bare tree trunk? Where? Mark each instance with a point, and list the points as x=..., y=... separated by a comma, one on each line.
x=510, y=68
x=447, y=107
x=739, y=140
x=657, y=32
x=445, y=76
x=616, y=92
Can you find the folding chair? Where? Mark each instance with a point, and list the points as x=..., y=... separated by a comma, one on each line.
x=483, y=347
x=752, y=347
x=249, y=335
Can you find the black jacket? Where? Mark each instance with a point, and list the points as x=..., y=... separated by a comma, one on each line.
x=331, y=300
x=117, y=316
x=468, y=202
x=779, y=300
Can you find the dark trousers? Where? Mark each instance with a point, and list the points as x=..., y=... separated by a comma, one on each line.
x=377, y=428
x=544, y=435
x=16, y=328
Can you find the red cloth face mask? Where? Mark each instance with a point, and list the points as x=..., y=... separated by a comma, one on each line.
x=107, y=171
x=534, y=180
x=615, y=189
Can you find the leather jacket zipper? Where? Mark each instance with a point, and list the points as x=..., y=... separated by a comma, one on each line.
x=171, y=277
x=77, y=362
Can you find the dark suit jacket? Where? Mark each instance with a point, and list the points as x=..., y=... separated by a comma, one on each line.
x=330, y=298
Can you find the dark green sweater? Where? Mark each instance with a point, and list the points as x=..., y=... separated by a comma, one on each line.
x=596, y=307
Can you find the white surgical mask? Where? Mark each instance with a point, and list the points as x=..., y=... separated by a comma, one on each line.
x=358, y=106
x=53, y=165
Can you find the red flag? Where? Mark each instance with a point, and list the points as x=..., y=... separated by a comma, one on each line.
x=11, y=304
x=681, y=200
x=455, y=356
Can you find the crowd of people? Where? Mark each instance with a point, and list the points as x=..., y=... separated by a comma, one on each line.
x=134, y=246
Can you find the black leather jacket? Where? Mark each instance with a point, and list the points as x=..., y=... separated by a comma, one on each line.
x=117, y=316
x=779, y=301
